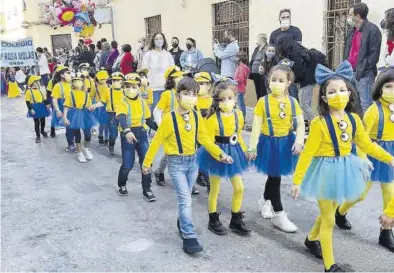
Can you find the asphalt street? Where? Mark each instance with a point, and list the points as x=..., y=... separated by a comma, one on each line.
x=60, y=215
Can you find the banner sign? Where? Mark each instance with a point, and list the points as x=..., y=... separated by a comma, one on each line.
x=17, y=53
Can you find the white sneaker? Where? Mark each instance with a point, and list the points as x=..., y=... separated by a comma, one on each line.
x=281, y=221
x=87, y=153
x=265, y=208
x=81, y=157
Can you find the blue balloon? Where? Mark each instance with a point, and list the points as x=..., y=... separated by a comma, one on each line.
x=77, y=29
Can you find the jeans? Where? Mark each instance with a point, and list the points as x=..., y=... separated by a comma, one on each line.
x=113, y=124
x=128, y=157
x=293, y=91
x=364, y=88
x=183, y=173
x=162, y=164
x=156, y=98
x=305, y=95
x=241, y=103
x=104, y=131
x=69, y=137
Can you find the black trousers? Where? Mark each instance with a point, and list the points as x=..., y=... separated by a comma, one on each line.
x=39, y=122
x=272, y=192
x=259, y=83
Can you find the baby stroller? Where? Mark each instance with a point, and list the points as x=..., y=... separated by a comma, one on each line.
x=208, y=65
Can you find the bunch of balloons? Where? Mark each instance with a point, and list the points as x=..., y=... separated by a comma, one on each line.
x=76, y=13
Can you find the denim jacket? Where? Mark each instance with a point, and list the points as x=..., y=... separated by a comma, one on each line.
x=189, y=57
x=227, y=57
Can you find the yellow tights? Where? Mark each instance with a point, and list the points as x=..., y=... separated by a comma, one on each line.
x=387, y=194
x=323, y=229
x=238, y=190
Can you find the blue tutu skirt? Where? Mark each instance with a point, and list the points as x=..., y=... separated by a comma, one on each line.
x=40, y=109
x=57, y=122
x=211, y=166
x=80, y=119
x=338, y=179
x=101, y=115
x=274, y=155
x=383, y=172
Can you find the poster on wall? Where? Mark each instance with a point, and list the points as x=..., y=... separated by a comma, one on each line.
x=17, y=53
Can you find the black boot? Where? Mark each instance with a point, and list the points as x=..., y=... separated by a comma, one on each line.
x=195, y=191
x=106, y=142
x=111, y=150
x=215, y=225
x=386, y=239
x=341, y=221
x=53, y=132
x=237, y=224
x=44, y=134
x=314, y=247
x=201, y=180
x=160, y=180
x=334, y=268
x=100, y=140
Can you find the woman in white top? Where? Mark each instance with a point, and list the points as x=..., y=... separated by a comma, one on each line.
x=157, y=59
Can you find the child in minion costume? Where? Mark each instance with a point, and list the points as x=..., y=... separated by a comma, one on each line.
x=111, y=99
x=204, y=102
x=166, y=104
x=37, y=105
x=379, y=123
x=100, y=113
x=146, y=91
x=78, y=116
x=134, y=118
x=61, y=90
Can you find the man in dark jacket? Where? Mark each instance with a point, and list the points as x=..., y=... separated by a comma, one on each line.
x=362, y=50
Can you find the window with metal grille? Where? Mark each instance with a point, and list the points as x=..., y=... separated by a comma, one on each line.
x=336, y=29
x=152, y=25
x=235, y=15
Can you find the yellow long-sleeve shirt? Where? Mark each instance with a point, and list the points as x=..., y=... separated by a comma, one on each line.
x=281, y=127
x=147, y=94
x=167, y=100
x=61, y=90
x=371, y=121
x=389, y=211
x=98, y=92
x=165, y=136
x=138, y=114
x=319, y=144
x=111, y=98
x=228, y=121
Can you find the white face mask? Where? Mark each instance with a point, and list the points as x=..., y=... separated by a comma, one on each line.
x=78, y=84
x=35, y=85
x=67, y=77
x=117, y=85
x=85, y=73
x=144, y=81
x=132, y=92
x=285, y=23
x=159, y=43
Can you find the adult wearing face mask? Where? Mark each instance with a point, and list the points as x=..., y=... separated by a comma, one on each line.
x=255, y=63
x=176, y=51
x=387, y=25
x=191, y=56
x=43, y=68
x=104, y=54
x=227, y=54
x=362, y=50
x=157, y=60
x=142, y=49
x=270, y=60
x=286, y=29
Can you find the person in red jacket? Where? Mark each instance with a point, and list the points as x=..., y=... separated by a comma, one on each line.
x=126, y=64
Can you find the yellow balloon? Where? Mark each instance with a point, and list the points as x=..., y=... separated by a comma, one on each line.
x=87, y=31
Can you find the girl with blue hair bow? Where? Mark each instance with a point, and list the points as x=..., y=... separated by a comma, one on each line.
x=327, y=171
